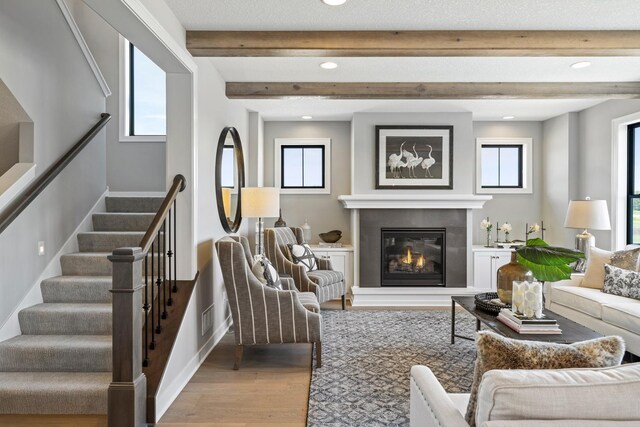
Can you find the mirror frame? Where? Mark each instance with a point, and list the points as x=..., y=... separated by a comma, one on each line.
x=239, y=157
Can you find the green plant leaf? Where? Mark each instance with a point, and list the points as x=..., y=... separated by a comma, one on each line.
x=546, y=273
x=536, y=242
x=549, y=255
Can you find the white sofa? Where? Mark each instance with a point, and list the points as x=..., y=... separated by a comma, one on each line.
x=604, y=313
x=604, y=397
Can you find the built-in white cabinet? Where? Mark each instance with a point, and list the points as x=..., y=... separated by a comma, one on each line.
x=341, y=260
x=486, y=262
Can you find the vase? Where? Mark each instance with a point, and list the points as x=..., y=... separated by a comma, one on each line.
x=280, y=222
x=507, y=274
x=532, y=305
x=489, y=243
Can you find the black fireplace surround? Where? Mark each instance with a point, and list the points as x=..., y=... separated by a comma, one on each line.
x=413, y=256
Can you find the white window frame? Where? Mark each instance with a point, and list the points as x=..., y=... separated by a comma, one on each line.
x=280, y=142
x=527, y=165
x=124, y=101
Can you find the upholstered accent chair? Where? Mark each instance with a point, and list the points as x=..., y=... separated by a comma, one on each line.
x=325, y=282
x=264, y=315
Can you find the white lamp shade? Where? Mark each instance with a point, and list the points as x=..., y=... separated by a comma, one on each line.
x=586, y=214
x=260, y=202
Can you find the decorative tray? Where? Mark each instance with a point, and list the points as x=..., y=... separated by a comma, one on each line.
x=485, y=302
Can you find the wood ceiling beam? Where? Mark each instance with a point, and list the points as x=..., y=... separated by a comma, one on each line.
x=289, y=90
x=413, y=43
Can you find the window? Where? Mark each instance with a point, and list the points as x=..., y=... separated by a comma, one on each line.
x=142, y=97
x=228, y=170
x=302, y=165
x=504, y=165
x=633, y=184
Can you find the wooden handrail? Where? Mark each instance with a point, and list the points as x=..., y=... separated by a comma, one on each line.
x=179, y=184
x=25, y=199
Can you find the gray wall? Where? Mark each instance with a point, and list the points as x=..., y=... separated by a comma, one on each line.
x=131, y=166
x=365, y=141
x=560, y=175
x=51, y=79
x=517, y=209
x=323, y=211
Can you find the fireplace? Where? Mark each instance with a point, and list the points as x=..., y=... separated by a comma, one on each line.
x=413, y=256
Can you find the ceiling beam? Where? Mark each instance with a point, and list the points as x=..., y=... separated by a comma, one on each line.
x=413, y=43
x=289, y=90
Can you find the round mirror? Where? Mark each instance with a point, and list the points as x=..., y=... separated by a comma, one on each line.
x=229, y=178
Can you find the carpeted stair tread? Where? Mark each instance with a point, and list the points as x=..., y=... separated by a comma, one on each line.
x=133, y=204
x=56, y=353
x=66, y=319
x=107, y=241
x=76, y=289
x=54, y=392
x=122, y=221
x=86, y=264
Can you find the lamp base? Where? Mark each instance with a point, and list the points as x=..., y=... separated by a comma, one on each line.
x=259, y=237
x=583, y=242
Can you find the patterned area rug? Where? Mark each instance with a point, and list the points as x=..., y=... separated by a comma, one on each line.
x=367, y=356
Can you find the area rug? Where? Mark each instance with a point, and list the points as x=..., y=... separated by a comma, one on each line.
x=366, y=359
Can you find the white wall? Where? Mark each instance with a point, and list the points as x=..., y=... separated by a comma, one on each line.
x=323, y=211
x=50, y=77
x=131, y=166
x=517, y=209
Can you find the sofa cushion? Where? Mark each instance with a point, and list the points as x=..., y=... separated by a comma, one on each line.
x=594, y=274
x=585, y=300
x=303, y=255
x=627, y=259
x=625, y=316
x=618, y=281
x=577, y=394
x=497, y=352
x=325, y=277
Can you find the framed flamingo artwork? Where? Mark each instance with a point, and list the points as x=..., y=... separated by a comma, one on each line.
x=414, y=157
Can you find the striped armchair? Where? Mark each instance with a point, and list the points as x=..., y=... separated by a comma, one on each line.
x=326, y=283
x=263, y=315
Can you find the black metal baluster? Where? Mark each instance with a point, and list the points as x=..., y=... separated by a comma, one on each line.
x=175, y=256
x=145, y=307
x=159, y=284
x=153, y=301
x=164, y=269
x=170, y=255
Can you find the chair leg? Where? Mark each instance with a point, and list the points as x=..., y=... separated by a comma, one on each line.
x=238, y=357
x=318, y=354
x=344, y=302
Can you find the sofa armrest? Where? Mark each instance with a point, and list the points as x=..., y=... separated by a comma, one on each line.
x=430, y=404
x=324, y=263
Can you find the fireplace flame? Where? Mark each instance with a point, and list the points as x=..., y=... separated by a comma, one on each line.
x=408, y=259
x=421, y=262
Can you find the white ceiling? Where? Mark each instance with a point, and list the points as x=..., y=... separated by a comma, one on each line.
x=416, y=15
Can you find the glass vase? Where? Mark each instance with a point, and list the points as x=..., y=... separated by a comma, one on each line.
x=489, y=242
x=507, y=274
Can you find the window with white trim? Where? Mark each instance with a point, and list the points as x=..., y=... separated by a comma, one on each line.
x=302, y=165
x=143, y=106
x=504, y=165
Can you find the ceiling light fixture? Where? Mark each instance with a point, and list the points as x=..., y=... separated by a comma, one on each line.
x=329, y=65
x=334, y=2
x=508, y=117
x=581, y=64
x=307, y=117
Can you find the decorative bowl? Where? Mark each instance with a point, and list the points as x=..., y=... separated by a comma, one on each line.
x=331, y=236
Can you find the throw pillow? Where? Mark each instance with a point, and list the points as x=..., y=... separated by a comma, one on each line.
x=626, y=259
x=302, y=254
x=265, y=272
x=618, y=281
x=497, y=352
x=594, y=274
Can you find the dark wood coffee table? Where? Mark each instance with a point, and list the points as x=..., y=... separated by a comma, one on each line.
x=571, y=331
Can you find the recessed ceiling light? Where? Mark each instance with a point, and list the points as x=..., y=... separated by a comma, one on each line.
x=329, y=65
x=307, y=117
x=334, y=2
x=581, y=64
x=508, y=117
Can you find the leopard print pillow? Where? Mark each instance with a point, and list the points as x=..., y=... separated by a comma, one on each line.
x=498, y=352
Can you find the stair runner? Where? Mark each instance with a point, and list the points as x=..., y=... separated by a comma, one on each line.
x=61, y=364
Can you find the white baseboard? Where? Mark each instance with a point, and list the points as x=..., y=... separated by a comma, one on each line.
x=406, y=296
x=137, y=194
x=165, y=397
x=11, y=326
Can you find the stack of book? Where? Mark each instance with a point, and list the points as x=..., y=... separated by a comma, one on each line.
x=528, y=325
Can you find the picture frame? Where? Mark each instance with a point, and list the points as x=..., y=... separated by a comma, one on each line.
x=414, y=157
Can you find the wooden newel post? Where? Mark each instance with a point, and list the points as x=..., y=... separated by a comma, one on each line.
x=128, y=389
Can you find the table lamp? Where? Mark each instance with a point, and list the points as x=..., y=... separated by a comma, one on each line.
x=260, y=202
x=585, y=214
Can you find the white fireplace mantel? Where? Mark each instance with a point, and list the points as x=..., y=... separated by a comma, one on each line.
x=414, y=201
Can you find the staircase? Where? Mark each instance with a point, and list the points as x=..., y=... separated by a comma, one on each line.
x=61, y=364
